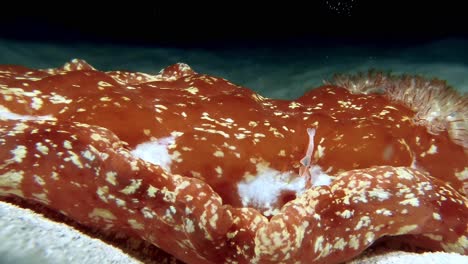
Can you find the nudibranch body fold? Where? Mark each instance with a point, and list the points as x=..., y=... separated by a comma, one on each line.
x=212, y=172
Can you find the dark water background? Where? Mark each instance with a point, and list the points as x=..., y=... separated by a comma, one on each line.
x=278, y=71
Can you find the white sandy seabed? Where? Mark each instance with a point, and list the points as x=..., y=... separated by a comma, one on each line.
x=29, y=238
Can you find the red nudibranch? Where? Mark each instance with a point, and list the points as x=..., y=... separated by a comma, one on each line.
x=211, y=172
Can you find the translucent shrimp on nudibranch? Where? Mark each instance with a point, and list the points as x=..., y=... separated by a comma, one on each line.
x=313, y=173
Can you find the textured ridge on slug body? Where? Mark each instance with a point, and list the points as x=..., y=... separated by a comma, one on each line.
x=335, y=222
x=113, y=191
x=359, y=207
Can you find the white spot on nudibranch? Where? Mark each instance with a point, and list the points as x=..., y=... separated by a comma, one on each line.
x=105, y=99
x=152, y=191
x=253, y=123
x=218, y=154
x=363, y=222
x=58, y=99
x=111, y=177
x=102, y=213
x=271, y=182
x=294, y=105
x=156, y=152
x=189, y=227
x=36, y=103
x=39, y=180
x=318, y=244
x=192, y=90
x=380, y=194
x=135, y=224
x=346, y=214
x=12, y=180
x=133, y=187
x=407, y=229
x=411, y=201
x=74, y=159
x=462, y=175
x=88, y=155
x=19, y=153
x=432, y=149
x=147, y=212
x=67, y=144
x=42, y=148
x=403, y=174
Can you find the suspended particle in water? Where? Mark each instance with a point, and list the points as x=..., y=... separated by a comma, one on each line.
x=341, y=7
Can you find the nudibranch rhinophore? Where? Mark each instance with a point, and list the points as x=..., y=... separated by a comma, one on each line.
x=212, y=172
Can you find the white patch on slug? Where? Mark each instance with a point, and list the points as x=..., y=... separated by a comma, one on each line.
x=74, y=158
x=379, y=194
x=152, y=191
x=458, y=246
x=365, y=221
x=384, y=211
x=41, y=197
x=218, y=154
x=403, y=174
x=88, y=155
x=111, y=177
x=11, y=182
x=42, y=148
x=318, y=244
x=101, y=213
x=132, y=187
x=406, y=229
x=59, y=99
x=462, y=175
x=354, y=242
x=67, y=144
x=19, y=153
x=263, y=190
x=319, y=177
x=36, y=103
x=135, y=224
x=39, y=180
x=188, y=226
x=6, y=114
x=147, y=212
x=434, y=237
x=156, y=151
x=432, y=149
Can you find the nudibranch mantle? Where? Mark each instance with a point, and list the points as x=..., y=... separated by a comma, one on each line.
x=212, y=172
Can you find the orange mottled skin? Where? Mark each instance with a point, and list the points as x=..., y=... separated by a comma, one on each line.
x=367, y=143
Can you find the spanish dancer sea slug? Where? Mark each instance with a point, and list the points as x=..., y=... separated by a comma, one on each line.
x=211, y=172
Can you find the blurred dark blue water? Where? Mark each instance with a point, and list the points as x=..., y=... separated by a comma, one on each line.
x=279, y=71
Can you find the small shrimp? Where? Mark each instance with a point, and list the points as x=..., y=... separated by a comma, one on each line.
x=305, y=169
